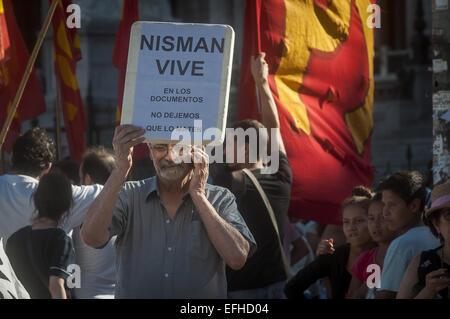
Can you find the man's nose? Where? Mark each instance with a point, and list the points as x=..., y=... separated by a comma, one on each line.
x=386, y=211
x=171, y=153
x=168, y=156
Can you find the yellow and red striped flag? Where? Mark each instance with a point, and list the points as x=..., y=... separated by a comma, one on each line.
x=4, y=42
x=67, y=53
x=13, y=60
x=320, y=56
x=129, y=15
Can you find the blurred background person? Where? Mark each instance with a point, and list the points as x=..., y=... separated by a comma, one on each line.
x=265, y=273
x=383, y=236
x=404, y=197
x=32, y=157
x=97, y=266
x=336, y=264
x=41, y=253
x=68, y=167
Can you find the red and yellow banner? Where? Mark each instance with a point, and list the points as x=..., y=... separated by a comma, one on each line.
x=4, y=41
x=13, y=60
x=67, y=52
x=320, y=55
x=129, y=15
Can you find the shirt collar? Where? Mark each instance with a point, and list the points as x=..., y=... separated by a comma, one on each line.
x=153, y=189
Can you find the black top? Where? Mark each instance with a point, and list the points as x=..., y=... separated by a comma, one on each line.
x=265, y=267
x=333, y=266
x=430, y=261
x=52, y=252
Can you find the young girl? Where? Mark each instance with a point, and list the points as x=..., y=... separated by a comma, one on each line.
x=380, y=234
x=41, y=253
x=337, y=264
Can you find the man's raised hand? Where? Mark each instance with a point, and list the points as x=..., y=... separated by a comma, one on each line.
x=201, y=171
x=125, y=138
x=259, y=68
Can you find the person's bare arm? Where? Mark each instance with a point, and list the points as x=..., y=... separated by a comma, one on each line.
x=228, y=241
x=95, y=228
x=56, y=287
x=269, y=112
x=410, y=278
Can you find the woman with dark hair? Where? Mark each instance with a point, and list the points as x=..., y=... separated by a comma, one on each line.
x=363, y=267
x=336, y=263
x=428, y=274
x=41, y=253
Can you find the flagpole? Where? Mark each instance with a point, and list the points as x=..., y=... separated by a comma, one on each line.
x=58, y=120
x=28, y=71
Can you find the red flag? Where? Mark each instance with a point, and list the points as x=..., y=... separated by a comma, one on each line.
x=73, y=35
x=320, y=55
x=4, y=40
x=12, y=68
x=66, y=53
x=129, y=15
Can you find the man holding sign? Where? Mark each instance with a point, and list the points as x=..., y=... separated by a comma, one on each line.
x=175, y=232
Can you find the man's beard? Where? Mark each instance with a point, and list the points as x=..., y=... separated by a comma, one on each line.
x=171, y=171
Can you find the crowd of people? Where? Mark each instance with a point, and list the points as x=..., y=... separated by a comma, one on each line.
x=176, y=235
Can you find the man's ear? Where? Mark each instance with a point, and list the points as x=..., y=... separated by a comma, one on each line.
x=45, y=171
x=414, y=205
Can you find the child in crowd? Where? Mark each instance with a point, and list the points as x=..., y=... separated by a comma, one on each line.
x=41, y=253
x=336, y=265
x=362, y=268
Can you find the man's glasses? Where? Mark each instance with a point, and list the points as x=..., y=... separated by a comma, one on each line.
x=160, y=148
x=163, y=149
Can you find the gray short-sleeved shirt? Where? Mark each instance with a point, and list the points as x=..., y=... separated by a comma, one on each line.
x=160, y=258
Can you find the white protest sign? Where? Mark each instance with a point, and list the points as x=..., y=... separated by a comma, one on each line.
x=176, y=74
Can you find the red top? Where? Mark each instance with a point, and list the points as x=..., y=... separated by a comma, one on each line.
x=359, y=268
